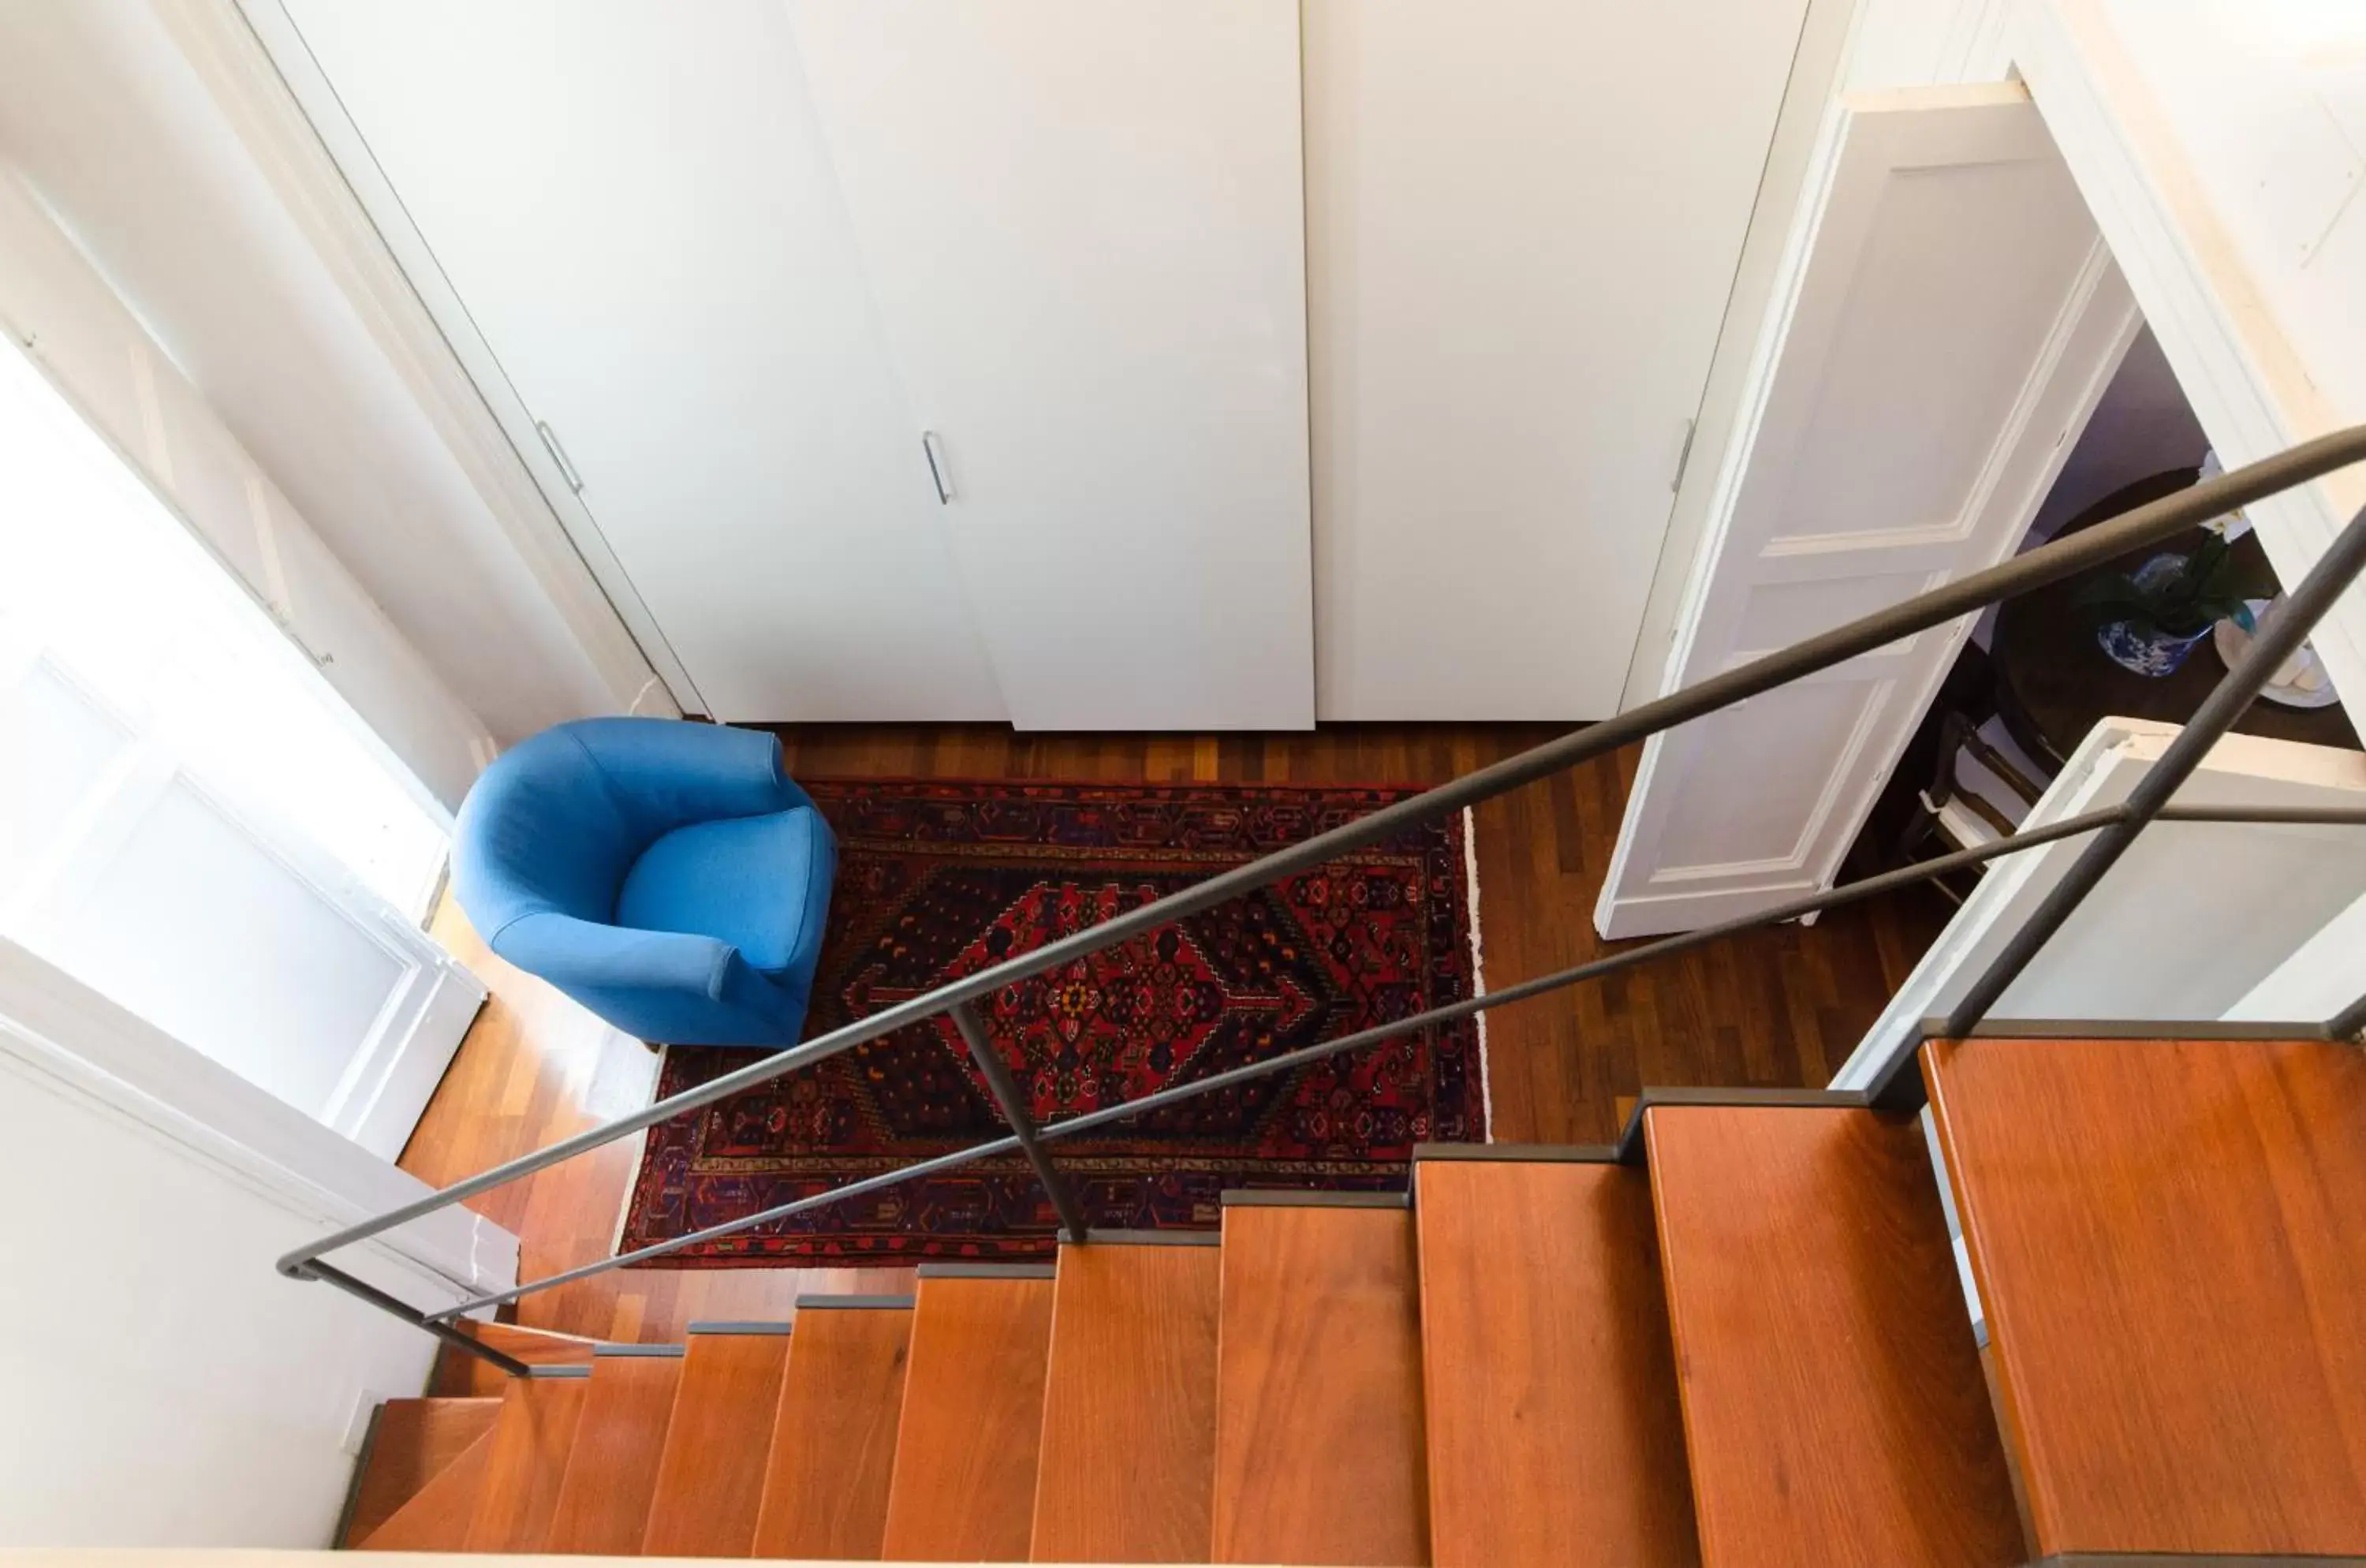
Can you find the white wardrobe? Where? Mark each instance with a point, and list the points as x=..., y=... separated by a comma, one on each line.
x=1091, y=364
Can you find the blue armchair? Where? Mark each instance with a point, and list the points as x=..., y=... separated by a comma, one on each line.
x=668, y=875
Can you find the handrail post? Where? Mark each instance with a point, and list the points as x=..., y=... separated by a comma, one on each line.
x=1005, y=1089
x=2277, y=641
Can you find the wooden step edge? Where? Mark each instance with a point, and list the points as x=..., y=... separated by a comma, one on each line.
x=832, y=1456
x=528, y=1463
x=1319, y=1421
x=437, y=1515
x=1817, y=1225
x=710, y=1473
x=1129, y=1402
x=1548, y=1371
x=431, y=1434
x=610, y=1476
x=970, y=1428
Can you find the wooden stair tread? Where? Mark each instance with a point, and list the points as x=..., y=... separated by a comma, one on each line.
x=1549, y=1375
x=1129, y=1410
x=834, y=1437
x=2166, y=1237
x=1834, y=1407
x=410, y=1442
x=530, y=1443
x=438, y=1518
x=710, y=1475
x=612, y=1471
x=1318, y=1428
x=973, y=1415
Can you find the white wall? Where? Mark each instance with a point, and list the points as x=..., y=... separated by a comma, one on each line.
x=149, y=130
x=160, y=1384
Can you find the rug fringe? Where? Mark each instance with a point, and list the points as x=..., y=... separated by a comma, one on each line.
x=640, y=1152
x=1478, y=961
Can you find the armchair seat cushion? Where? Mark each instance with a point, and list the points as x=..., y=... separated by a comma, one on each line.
x=761, y=884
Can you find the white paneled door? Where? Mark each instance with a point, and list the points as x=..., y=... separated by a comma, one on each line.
x=1523, y=219
x=1083, y=223
x=1943, y=341
x=190, y=823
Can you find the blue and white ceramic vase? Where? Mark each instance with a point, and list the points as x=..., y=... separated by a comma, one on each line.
x=2147, y=651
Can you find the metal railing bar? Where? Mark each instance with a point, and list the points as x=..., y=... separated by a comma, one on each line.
x=2277, y=640
x=2149, y=523
x=1000, y=1083
x=329, y=1273
x=1002, y=1145
x=1886, y=882
x=1379, y=1033
x=2168, y=1031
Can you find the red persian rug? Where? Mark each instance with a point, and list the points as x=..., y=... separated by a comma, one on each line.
x=939, y=879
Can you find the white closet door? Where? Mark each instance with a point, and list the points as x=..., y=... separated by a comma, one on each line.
x=1083, y=222
x=1523, y=221
x=1940, y=345
x=623, y=215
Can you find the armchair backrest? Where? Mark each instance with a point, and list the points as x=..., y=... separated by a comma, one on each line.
x=556, y=822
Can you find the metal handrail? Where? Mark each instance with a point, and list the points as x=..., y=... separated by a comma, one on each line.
x=2150, y=524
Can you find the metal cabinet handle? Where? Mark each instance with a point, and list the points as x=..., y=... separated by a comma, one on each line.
x=928, y=448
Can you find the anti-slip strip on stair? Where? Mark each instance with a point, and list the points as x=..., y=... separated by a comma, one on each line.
x=560, y=1369
x=739, y=1328
x=641, y=1350
x=986, y=1272
x=1298, y=1198
x=849, y=1303
x=1510, y=1154
x=1153, y=1238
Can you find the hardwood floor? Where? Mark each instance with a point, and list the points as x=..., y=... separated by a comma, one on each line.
x=1780, y=1007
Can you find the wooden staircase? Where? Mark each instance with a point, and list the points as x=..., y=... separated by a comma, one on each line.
x=1747, y=1345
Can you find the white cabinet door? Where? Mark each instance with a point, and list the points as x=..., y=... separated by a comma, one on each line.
x=623, y=215
x=1942, y=341
x=1083, y=223
x=1523, y=219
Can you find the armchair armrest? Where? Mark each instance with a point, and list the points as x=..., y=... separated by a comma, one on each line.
x=583, y=953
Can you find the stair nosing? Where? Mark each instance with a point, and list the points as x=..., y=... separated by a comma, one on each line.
x=986, y=1272
x=1298, y=1198
x=641, y=1350
x=854, y=1303
x=729, y=1326
x=1151, y=1238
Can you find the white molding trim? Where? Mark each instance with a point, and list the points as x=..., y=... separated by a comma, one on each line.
x=226, y=47
x=1798, y=160
x=57, y=1030
x=2247, y=384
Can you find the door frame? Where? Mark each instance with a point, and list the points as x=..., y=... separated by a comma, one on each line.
x=2242, y=376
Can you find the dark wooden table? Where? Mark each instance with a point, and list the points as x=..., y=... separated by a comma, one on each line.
x=2053, y=682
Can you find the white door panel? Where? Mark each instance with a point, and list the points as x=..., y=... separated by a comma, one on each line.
x=636, y=210
x=1523, y=222
x=1083, y=222
x=1943, y=339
